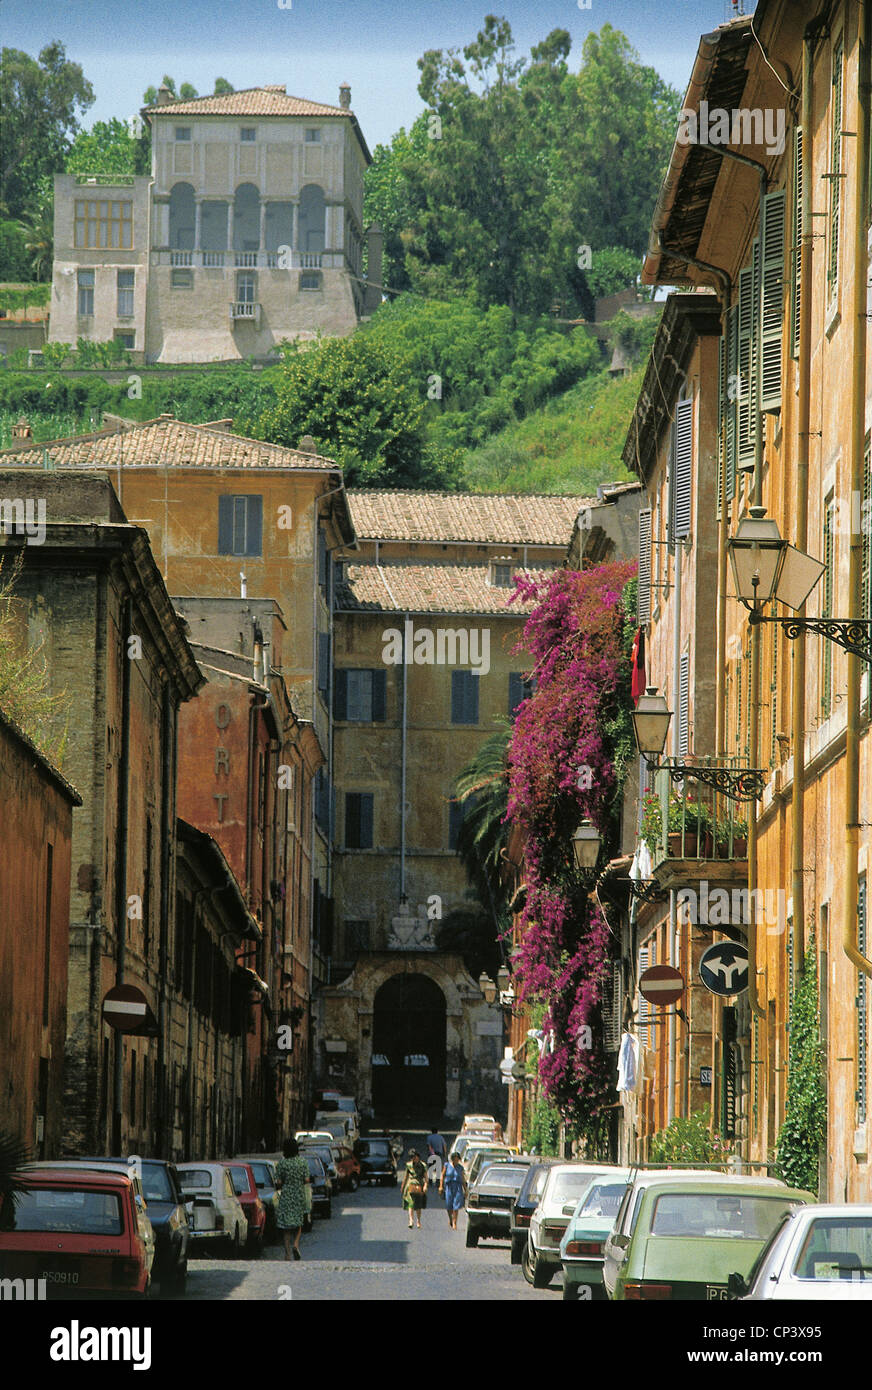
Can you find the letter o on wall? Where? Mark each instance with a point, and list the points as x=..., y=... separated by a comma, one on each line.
x=223, y=715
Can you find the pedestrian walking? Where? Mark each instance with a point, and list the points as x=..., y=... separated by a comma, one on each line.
x=292, y=1175
x=453, y=1185
x=414, y=1188
x=436, y=1144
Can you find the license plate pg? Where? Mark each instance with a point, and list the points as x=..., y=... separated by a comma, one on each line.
x=715, y=1291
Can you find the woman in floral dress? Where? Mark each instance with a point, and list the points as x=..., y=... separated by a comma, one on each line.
x=414, y=1187
x=292, y=1175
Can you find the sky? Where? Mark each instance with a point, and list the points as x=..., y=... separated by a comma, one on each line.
x=313, y=45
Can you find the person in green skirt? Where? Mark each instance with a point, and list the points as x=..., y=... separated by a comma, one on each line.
x=414, y=1187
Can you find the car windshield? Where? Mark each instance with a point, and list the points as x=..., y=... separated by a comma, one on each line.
x=63, y=1210
x=836, y=1247
x=502, y=1175
x=709, y=1215
x=195, y=1177
x=316, y=1167
x=156, y=1185
x=262, y=1174
x=375, y=1148
x=603, y=1199
x=568, y=1187
x=241, y=1181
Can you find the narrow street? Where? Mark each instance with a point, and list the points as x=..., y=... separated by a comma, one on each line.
x=366, y=1251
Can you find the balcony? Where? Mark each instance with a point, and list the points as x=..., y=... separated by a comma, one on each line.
x=242, y=309
x=690, y=820
x=251, y=260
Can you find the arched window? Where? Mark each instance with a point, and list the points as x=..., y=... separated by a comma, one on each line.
x=278, y=226
x=182, y=217
x=246, y=218
x=213, y=226
x=313, y=218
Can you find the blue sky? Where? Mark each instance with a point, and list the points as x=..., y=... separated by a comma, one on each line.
x=316, y=44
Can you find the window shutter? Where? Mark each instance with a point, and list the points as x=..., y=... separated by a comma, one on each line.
x=835, y=168
x=684, y=705
x=472, y=697
x=644, y=1010
x=862, y=1011
x=352, y=820
x=516, y=691
x=322, y=558
x=464, y=697
x=456, y=817
x=366, y=818
x=340, y=695
x=746, y=392
x=722, y=443
x=379, y=696
x=797, y=240
x=612, y=1000
x=771, y=301
x=732, y=369
x=225, y=525
x=323, y=661
x=643, y=599
x=683, y=468
x=254, y=525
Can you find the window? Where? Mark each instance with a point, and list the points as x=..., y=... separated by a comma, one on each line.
x=85, y=282
x=520, y=688
x=313, y=137
x=827, y=605
x=684, y=705
x=323, y=662
x=125, y=283
x=246, y=286
x=682, y=464
x=358, y=820
x=835, y=168
x=126, y=339
x=357, y=938
x=768, y=346
x=102, y=223
x=464, y=697
x=502, y=576
x=183, y=134
x=797, y=241
x=248, y=134
x=360, y=696
x=240, y=525
x=181, y=279
x=310, y=280
x=643, y=593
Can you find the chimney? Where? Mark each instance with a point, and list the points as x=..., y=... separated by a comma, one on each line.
x=307, y=445
x=345, y=96
x=164, y=95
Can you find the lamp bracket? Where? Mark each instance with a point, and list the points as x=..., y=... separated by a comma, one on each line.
x=647, y=890
x=853, y=634
x=737, y=783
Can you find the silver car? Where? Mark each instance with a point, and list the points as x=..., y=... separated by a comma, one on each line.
x=817, y=1253
x=216, y=1213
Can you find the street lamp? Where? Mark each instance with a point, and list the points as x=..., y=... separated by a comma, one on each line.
x=766, y=567
x=651, y=719
x=487, y=986
x=504, y=980
x=586, y=846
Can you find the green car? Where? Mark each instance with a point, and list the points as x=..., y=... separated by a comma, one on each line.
x=581, y=1249
x=680, y=1235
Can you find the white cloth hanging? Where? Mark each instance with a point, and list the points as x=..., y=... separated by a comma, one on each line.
x=628, y=1062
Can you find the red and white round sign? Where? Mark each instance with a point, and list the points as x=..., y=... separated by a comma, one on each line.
x=661, y=985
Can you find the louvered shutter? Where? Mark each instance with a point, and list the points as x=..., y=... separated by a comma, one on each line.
x=683, y=469
x=643, y=599
x=254, y=525
x=771, y=301
x=797, y=240
x=612, y=1001
x=835, y=168
x=379, y=696
x=323, y=661
x=862, y=1011
x=225, y=525
x=746, y=392
x=722, y=442
x=516, y=691
x=644, y=1011
x=340, y=694
x=684, y=705
x=732, y=370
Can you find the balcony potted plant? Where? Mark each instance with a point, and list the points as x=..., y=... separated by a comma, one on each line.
x=695, y=819
x=651, y=829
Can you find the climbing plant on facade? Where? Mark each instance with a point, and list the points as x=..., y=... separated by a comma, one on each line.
x=804, y=1130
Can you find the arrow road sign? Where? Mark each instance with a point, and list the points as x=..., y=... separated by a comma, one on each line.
x=723, y=968
x=661, y=985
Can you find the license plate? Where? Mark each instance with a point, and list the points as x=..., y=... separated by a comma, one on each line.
x=60, y=1276
x=715, y=1291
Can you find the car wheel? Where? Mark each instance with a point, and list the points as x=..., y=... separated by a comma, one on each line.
x=517, y=1251
x=255, y=1246
x=527, y=1262
x=570, y=1291
x=353, y=1183
x=471, y=1238
x=542, y=1274
x=328, y=1210
x=307, y=1223
x=177, y=1280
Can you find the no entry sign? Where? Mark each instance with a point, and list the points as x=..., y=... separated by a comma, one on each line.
x=661, y=985
x=126, y=1009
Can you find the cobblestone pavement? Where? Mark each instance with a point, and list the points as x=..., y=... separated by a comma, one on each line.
x=366, y=1251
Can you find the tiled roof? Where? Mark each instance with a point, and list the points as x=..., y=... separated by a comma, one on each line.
x=476, y=518
x=404, y=587
x=164, y=442
x=253, y=101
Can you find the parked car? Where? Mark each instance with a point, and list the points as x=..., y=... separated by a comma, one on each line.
x=81, y=1230
x=264, y=1171
x=581, y=1249
x=481, y=1124
x=679, y=1235
x=338, y=1126
x=377, y=1160
x=322, y=1195
x=325, y=1153
x=479, y=1158
x=525, y=1204
x=245, y=1187
x=347, y=1167
x=816, y=1253
x=166, y=1212
x=218, y=1221
x=563, y=1187
x=489, y=1201
x=331, y=1102
x=317, y=1136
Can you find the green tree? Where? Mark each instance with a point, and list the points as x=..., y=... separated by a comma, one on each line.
x=41, y=99
x=482, y=789
x=614, y=268
x=14, y=256
x=222, y=87
x=25, y=684
x=388, y=197
x=110, y=147
x=186, y=90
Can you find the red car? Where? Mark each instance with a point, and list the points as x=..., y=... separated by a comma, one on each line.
x=78, y=1231
x=347, y=1167
x=245, y=1187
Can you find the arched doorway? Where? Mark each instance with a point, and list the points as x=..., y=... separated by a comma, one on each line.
x=408, y=1049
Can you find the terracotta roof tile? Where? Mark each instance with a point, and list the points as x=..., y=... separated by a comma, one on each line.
x=269, y=100
x=477, y=518
x=164, y=442
x=404, y=587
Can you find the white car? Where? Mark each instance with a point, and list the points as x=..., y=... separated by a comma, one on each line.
x=564, y=1185
x=347, y=1107
x=816, y=1253
x=216, y=1214
x=338, y=1125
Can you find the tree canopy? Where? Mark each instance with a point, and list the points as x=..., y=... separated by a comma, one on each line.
x=41, y=99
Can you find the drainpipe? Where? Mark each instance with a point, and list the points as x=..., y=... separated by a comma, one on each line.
x=167, y=839
x=676, y=753
x=121, y=870
x=858, y=432
x=403, y=761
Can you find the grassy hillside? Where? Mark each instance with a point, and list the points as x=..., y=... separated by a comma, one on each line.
x=570, y=445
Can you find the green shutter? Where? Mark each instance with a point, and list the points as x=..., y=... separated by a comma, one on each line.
x=643, y=593
x=722, y=443
x=771, y=301
x=379, y=695
x=797, y=241
x=835, y=169
x=732, y=369
x=682, y=463
x=340, y=694
x=746, y=385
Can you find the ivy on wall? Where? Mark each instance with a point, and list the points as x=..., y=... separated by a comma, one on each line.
x=805, y=1119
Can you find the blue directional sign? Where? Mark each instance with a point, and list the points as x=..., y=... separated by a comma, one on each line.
x=723, y=968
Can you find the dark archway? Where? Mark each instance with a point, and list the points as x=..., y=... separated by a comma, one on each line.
x=408, y=1048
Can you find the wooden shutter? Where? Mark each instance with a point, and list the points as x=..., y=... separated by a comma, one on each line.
x=340, y=694
x=862, y=1010
x=732, y=351
x=612, y=1007
x=797, y=241
x=379, y=695
x=323, y=660
x=643, y=599
x=464, y=697
x=366, y=819
x=746, y=385
x=644, y=1011
x=684, y=705
x=683, y=470
x=225, y=525
x=722, y=443
x=254, y=525
x=516, y=691
x=771, y=301
x=835, y=169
